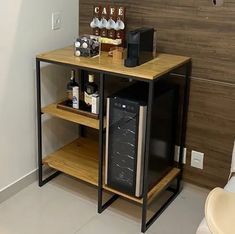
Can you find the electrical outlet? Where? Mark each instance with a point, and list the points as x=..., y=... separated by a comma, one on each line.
x=56, y=20
x=177, y=154
x=197, y=159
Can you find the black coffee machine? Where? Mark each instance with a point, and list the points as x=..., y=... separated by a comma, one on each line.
x=139, y=46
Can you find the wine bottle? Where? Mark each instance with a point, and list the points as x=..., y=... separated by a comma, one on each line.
x=72, y=83
x=90, y=88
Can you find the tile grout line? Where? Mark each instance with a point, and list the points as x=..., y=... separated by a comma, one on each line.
x=83, y=225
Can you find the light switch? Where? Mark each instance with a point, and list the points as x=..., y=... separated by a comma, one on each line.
x=56, y=20
x=197, y=159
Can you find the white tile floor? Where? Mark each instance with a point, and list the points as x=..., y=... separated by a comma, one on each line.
x=67, y=206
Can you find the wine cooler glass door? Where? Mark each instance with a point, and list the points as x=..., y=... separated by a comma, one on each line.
x=122, y=145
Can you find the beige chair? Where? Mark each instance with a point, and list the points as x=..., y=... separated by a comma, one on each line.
x=230, y=187
x=220, y=211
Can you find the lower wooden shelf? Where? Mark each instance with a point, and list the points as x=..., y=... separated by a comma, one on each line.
x=163, y=183
x=135, y=199
x=78, y=159
x=155, y=191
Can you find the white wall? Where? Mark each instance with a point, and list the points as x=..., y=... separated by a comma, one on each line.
x=25, y=27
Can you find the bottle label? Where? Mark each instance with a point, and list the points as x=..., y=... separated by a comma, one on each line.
x=75, y=102
x=75, y=97
x=88, y=99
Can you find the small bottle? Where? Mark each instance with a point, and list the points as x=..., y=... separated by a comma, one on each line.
x=90, y=89
x=72, y=83
x=76, y=97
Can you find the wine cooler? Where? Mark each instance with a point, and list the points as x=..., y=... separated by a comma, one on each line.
x=125, y=138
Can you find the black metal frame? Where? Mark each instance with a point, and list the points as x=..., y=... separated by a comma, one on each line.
x=101, y=207
x=175, y=191
x=41, y=181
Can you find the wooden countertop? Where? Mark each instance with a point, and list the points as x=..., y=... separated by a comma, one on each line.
x=162, y=64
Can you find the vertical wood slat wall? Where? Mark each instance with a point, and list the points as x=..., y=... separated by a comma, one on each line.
x=206, y=33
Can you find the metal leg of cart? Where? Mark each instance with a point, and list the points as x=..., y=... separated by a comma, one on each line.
x=160, y=211
x=146, y=224
x=41, y=181
x=187, y=79
x=101, y=206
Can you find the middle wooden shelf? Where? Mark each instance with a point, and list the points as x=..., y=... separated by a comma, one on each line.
x=70, y=116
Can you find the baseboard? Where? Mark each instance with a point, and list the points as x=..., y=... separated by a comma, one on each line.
x=17, y=186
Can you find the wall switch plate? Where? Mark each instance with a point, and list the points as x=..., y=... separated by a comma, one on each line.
x=197, y=159
x=56, y=20
x=177, y=154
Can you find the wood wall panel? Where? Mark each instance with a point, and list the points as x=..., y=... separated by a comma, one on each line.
x=188, y=27
x=207, y=34
x=211, y=129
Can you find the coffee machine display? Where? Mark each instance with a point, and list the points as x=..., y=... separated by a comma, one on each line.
x=139, y=46
x=125, y=138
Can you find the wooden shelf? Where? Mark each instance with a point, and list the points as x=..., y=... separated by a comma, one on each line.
x=78, y=159
x=70, y=116
x=163, y=184
x=162, y=64
x=155, y=191
x=135, y=199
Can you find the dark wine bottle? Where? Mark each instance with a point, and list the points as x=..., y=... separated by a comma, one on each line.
x=72, y=83
x=90, y=88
